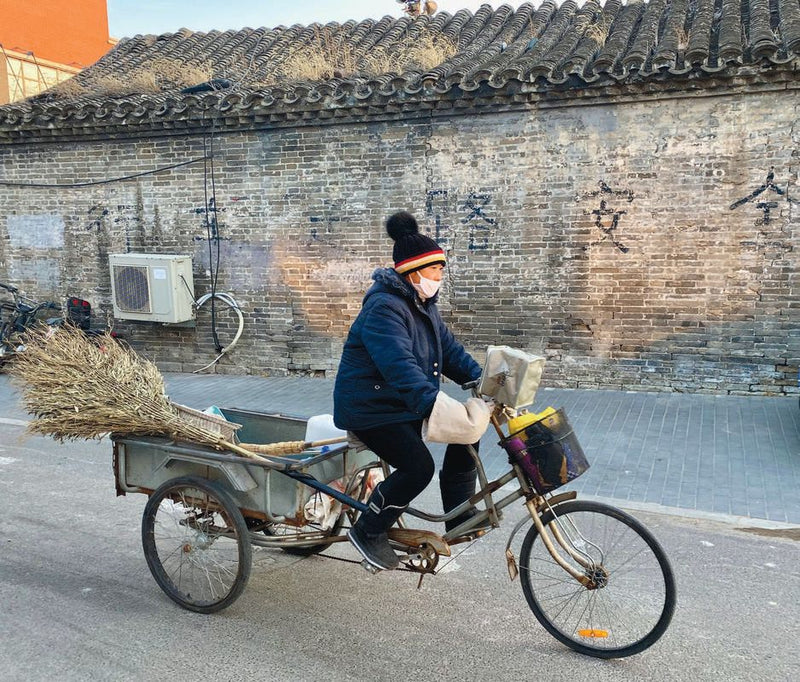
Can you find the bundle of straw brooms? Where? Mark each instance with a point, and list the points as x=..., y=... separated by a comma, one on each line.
x=78, y=387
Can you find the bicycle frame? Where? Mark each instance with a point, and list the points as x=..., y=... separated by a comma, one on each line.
x=533, y=501
x=21, y=314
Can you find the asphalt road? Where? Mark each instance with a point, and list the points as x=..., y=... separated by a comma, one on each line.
x=77, y=601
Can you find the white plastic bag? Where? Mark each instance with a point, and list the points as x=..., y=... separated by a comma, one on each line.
x=323, y=509
x=511, y=376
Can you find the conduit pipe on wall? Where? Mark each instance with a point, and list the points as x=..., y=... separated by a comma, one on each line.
x=230, y=301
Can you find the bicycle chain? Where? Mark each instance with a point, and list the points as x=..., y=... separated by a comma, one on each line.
x=407, y=570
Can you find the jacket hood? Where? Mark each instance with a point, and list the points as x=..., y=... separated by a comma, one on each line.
x=389, y=281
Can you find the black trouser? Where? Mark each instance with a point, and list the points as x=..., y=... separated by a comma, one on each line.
x=402, y=447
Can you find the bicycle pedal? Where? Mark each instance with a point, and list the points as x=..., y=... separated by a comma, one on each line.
x=369, y=568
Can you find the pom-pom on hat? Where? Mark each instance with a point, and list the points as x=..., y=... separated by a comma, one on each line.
x=412, y=250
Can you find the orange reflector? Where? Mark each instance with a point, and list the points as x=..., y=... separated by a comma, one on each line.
x=593, y=633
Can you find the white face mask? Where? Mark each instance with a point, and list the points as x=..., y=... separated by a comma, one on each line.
x=426, y=288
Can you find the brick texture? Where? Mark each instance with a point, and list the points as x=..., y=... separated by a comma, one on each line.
x=646, y=245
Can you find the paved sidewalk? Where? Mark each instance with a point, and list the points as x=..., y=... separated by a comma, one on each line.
x=730, y=455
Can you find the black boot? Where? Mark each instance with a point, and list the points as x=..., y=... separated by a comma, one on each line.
x=457, y=488
x=368, y=534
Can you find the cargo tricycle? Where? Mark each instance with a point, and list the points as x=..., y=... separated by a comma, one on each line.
x=593, y=575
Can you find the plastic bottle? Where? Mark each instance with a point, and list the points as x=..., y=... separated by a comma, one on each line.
x=321, y=427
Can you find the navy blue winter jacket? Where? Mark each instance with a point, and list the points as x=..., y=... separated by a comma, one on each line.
x=394, y=357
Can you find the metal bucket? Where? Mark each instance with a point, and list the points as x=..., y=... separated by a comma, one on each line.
x=548, y=452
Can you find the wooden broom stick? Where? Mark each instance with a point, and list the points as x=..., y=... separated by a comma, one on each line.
x=291, y=447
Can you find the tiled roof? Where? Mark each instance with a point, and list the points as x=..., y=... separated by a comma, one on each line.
x=553, y=50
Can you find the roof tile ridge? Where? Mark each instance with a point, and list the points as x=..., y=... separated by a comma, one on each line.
x=547, y=16
x=546, y=55
x=762, y=39
x=454, y=24
x=358, y=36
x=697, y=49
x=790, y=24
x=469, y=50
x=669, y=50
x=729, y=42
x=212, y=43
x=477, y=23
x=588, y=43
x=483, y=52
x=621, y=30
x=513, y=42
x=227, y=101
x=248, y=49
x=570, y=54
x=645, y=37
x=268, y=61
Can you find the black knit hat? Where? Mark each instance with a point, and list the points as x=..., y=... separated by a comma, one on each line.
x=412, y=250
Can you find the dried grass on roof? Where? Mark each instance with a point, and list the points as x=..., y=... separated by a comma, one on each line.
x=150, y=78
x=330, y=55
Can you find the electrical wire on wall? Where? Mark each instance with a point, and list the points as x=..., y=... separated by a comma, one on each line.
x=225, y=298
x=212, y=229
x=213, y=238
x=105, y=181
x=229, y=301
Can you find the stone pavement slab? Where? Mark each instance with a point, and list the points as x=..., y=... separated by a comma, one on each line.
x=718, y=454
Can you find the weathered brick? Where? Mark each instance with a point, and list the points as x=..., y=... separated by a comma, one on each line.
x=672, y=290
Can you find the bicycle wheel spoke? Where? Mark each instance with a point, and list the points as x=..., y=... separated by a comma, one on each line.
x=629, y=597
x=196, y=544
x=643, y=551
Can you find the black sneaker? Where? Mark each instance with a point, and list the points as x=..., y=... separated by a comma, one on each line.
x=374, y=548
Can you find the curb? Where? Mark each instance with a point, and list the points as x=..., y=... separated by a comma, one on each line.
x=742, y=522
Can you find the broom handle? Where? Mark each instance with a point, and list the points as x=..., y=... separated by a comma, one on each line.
x=239, y=450
x=243, y=448
x=327, y=441
x=304, y=445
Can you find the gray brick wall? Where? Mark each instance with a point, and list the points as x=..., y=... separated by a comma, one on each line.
x=615, y=239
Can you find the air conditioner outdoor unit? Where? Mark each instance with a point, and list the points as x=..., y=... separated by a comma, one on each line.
x=152, y=287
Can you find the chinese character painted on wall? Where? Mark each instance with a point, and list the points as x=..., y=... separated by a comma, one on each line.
x=480, y=223
x=764, y=204
x=324, y=222
x=447, y=206
x=436, y=207
x=607, y=215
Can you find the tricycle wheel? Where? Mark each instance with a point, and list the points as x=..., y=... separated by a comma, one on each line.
x=196, y=544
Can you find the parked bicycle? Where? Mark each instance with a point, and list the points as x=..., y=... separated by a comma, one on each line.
x=19, y=315
x=22, y=313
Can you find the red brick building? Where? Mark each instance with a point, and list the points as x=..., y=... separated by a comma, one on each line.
x=44, y=42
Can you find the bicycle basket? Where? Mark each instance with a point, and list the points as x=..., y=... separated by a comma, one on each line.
x=548, y=452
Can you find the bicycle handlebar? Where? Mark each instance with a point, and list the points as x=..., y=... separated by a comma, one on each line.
x=26, y=304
